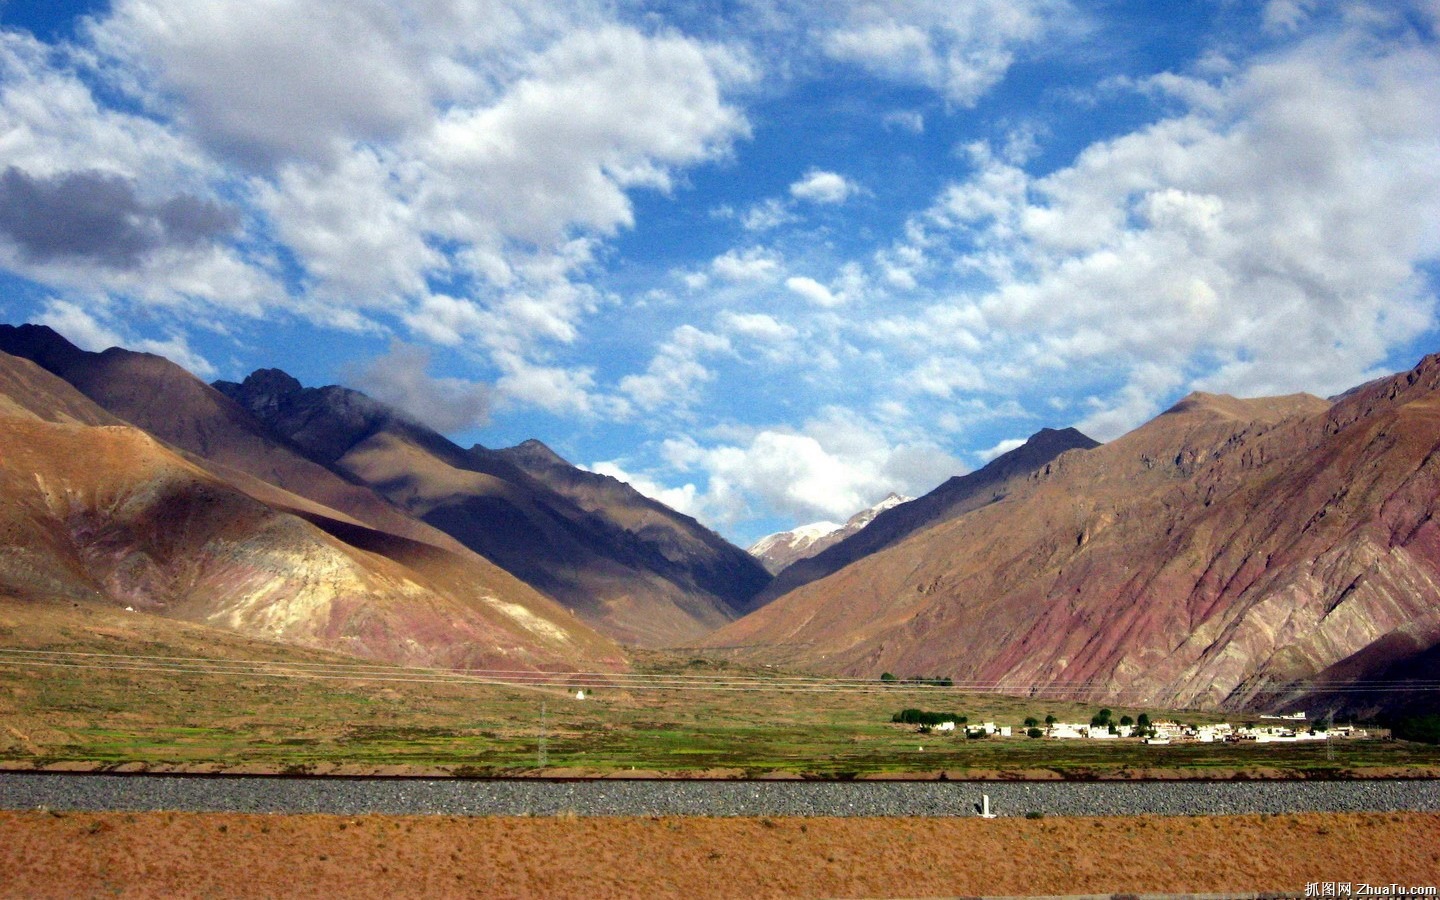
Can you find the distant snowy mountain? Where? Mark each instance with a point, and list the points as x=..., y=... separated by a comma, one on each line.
x=776, y=551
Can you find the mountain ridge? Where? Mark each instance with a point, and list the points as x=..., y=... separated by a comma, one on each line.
x=97, y=510
x=629, y=565
x=953, y=497
x=1227, y=553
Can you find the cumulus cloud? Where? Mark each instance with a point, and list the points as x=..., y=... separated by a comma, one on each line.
x=834, y=465
x=813, y=291
x=676, y=372
x=562, y=390
x=1284, y=16
x=101, y=200
x=958, y=49
x=819, y=186
x=756, y=326
x=401, y=379
x=1000, y=449
x=458, y=184
x=1271, y=236
x=768, y=214
x=750, y=264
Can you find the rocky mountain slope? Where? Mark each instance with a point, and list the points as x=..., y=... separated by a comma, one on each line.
x=96, y=511
x=1228, y=553
x=676, y=545
x=627, y=565
x=779, y=550
x=168, y=402
x=958, y=495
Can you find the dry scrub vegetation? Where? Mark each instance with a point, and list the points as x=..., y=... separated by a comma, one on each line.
x=45, y=854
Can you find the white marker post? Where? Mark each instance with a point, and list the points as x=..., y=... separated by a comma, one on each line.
x=985, y=812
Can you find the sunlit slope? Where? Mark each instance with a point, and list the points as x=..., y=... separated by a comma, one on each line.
x=106, y=513
x=155, y=394
x=1223, y=549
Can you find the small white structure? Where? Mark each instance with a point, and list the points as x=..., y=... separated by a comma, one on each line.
x=945, y=726
x=985, y=812
x=580, y=695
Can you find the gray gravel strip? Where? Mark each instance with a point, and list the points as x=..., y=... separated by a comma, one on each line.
x=416, y=796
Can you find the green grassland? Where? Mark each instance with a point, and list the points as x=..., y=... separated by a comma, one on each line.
x=191, y=716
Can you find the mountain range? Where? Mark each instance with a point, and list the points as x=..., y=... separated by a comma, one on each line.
x=778, y=551
x=98, y=510
x=1272, y=553
x=1229, y=553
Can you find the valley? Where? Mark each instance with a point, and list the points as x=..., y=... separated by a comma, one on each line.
x=106, y=690
x=261, y=576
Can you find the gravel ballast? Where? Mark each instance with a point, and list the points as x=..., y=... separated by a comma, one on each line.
x=420, y=796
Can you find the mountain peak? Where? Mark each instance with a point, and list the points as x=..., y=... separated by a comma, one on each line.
x=533, y=453
x=776, y=551
x=1230, y=408
x=39, y=343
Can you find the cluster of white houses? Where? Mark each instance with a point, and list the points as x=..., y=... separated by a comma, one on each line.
x=1166, y=732
x=1277, y=729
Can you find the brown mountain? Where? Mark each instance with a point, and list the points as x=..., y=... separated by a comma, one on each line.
x=1227, y=553
x=632, y=568
x=96, y=511
x=167, y=401
x=957, y=496
x=673, y=544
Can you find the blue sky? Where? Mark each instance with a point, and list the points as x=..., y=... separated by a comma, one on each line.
x=767, y=261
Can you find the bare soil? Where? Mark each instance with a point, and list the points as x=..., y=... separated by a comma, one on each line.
x=47, y=854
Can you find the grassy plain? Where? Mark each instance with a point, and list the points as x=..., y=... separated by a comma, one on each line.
x=284, y=712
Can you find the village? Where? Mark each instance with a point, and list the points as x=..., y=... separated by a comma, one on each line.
x=1268, y=729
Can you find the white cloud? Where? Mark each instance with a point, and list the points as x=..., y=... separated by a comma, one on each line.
x=1268, y=238
x=833, y=466
x=676, y=372
x=1286, y=16
x=383, y=150
x=813, y=291
x=958, y=49
x=819, y=186
x=130, y=206
x=750, y=264
x=597, y=113
x=79, y=326
x=756, y=326
x=555, y=389
x=767, y=215
x=401, y=379
x=275, y=80
x=1000, y=449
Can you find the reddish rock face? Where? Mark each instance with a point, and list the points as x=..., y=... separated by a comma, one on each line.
x=1209, y=558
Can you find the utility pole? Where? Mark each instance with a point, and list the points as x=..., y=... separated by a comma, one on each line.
x=542, y=753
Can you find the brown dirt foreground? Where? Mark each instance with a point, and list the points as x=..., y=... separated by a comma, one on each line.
x=49, y=854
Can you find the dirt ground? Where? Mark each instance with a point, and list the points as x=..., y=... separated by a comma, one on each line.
x=48, y=854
